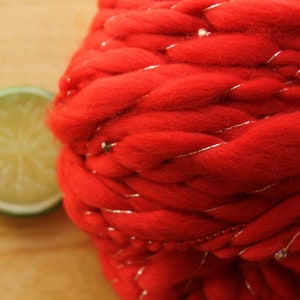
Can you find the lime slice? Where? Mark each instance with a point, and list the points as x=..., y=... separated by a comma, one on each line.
x=28, y=153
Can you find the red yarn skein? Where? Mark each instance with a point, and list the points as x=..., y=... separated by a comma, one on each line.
x=181, y=129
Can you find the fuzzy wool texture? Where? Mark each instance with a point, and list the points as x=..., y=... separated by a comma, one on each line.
x=180, y=125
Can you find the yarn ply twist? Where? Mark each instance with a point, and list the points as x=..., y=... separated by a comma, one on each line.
x=180, y=123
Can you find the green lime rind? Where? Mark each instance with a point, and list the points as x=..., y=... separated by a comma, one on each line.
x=31, y=211
x=30, y=90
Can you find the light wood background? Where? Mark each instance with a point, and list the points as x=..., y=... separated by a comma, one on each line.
x=46, y=257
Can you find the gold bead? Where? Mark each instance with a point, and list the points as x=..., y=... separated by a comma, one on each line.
x=281, y=254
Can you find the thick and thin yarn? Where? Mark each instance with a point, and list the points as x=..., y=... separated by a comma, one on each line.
x=180, y=125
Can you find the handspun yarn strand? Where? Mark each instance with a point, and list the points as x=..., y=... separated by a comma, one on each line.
x=181, y=127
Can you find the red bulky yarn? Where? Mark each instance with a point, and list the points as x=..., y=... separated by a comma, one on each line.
x=181, y=129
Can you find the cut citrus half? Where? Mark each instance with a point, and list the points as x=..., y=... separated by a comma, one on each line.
x=28, y=152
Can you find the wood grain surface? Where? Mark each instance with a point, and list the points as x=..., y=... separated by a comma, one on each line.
x=46, y=257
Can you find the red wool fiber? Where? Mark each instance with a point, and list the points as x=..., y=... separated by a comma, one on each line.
x=180, y=125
